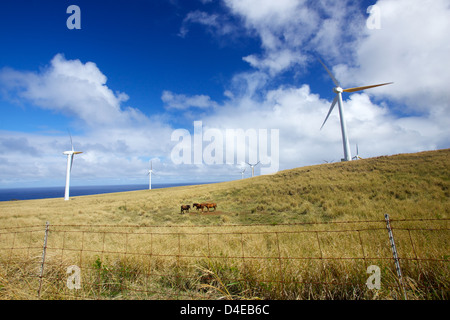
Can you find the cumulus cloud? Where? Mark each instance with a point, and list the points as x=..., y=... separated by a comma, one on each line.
x=72, y=88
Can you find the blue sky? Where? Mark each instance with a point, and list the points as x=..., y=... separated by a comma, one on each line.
x=139, y=70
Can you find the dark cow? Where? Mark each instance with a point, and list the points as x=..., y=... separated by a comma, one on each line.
x=185, y=208
x=197, y=206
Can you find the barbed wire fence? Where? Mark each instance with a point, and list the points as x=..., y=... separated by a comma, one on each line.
x=317, y=260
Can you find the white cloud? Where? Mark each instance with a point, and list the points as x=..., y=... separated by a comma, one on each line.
x=182, y=102
x=275, y=62
x=214, y=23
x=257, y=11
x=72, y=88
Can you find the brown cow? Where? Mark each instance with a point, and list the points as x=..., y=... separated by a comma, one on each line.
x=197, y=206
x=185, y=208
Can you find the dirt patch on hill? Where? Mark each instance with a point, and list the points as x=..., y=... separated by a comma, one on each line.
x=206, y=213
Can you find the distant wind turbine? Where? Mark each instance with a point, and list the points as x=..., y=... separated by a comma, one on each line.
x=150, y=172
x=338, y=90
x=69, y=167
x=242, y=173
x=253, y=167
x=357, y=154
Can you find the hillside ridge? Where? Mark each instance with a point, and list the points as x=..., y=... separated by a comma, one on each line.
x=414, y=185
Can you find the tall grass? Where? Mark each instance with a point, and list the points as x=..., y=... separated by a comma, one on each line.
x=305, y=261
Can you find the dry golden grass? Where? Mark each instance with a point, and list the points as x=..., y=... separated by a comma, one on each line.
x=185, y=253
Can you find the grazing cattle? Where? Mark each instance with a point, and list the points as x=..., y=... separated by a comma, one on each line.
x=197, y=206
x=185, y=208
x=208, y=206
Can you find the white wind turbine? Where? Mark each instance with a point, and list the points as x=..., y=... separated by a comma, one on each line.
x=150, y=172
x=338, y=90
x=357, y=154
x=242, y=173
x=253, y=167
x=69, y=167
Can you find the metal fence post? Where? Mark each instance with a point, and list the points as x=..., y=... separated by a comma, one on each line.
x=395, y=254
x=44, y=250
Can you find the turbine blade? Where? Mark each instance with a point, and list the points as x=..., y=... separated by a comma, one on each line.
x=331, y=109
x=365, y=87
x=330, y=74
x=71, y=144
x=71, y=162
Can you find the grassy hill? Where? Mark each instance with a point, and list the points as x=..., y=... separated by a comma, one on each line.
x=291, y=220
x=405, y=186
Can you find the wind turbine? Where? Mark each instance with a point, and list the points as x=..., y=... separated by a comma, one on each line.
x=69, y=167
x=338, y=90
x=242, y=173
x=150, y=172
x=357, y=154
x=253, y=167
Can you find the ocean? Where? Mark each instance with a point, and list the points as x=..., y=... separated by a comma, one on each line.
x=58, y=192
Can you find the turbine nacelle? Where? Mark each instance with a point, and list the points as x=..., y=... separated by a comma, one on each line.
x=72, y=152
x=338, y=90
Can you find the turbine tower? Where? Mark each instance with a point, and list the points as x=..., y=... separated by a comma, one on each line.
x=69, y=167
x=150, y=172
x=338, y=90
x=253, y=167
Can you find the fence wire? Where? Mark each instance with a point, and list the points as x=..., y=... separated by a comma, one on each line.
x=326, y=260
